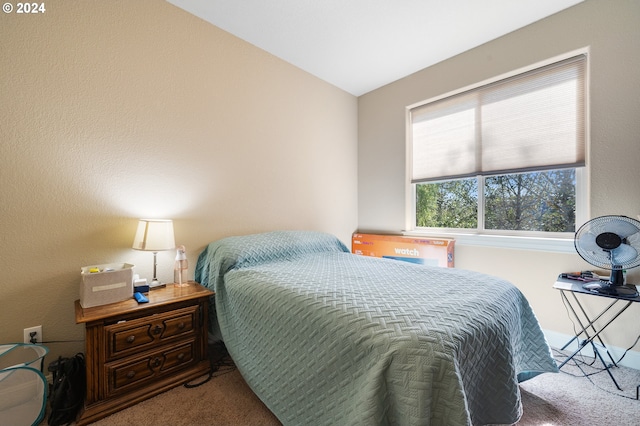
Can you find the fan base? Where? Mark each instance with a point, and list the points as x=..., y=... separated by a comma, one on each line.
x=604, y=287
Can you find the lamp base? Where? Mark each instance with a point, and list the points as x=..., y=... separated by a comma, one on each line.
x=156, y=284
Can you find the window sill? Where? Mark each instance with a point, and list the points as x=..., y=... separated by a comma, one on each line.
x=558, y=245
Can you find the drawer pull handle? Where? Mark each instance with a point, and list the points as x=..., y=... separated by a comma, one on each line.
x=131, y=374
x=157, y=329
x=130, y=339
x=181, y=325
x=156, y=362
x=180, y=357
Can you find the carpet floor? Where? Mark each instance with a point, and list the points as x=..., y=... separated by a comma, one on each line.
x=581, y=394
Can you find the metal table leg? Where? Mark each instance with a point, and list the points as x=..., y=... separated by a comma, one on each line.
x=590, y=338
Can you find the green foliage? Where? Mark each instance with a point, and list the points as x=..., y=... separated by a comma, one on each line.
x=450, y=204
x=537, y=201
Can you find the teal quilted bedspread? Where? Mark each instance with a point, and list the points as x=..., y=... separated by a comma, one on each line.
x=326, y=337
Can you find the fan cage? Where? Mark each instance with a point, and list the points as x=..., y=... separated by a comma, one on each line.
x=602, y=258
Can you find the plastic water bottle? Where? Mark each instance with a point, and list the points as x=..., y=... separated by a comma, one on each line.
x=181, y=267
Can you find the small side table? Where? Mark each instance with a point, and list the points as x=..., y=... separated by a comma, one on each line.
x=589, y=328
x=136, y=351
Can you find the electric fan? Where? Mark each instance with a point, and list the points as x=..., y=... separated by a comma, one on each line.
x=610, y=242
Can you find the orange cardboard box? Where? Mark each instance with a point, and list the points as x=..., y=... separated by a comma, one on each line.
x=424, y=251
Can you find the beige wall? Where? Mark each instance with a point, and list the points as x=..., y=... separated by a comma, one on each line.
x=610, y=28
x=115, y=110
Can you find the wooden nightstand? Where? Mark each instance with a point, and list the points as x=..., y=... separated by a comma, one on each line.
x=136, y=351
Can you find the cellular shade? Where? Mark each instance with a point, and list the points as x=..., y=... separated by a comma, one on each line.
x=530, y=121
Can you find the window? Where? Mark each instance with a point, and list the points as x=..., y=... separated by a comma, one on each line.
x=506, y=157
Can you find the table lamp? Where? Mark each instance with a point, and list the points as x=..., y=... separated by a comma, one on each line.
x=154, y=235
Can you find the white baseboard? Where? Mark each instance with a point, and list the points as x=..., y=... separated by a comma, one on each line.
x=558, y=340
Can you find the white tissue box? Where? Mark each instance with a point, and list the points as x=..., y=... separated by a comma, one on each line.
x=114, y=283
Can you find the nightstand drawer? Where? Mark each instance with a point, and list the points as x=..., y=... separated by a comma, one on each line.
x=143, y=333
x=179, y=325
x=135, y=371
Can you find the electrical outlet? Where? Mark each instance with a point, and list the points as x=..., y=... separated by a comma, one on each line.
x=33, y=334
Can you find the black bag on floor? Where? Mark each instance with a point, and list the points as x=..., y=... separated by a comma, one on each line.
x=68, y=389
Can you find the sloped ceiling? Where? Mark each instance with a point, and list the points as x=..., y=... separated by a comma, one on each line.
x=360, y=45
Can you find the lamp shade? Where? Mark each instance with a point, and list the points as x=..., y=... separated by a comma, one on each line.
x=154, y=235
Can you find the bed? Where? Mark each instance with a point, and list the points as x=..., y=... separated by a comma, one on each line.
x=326, y=337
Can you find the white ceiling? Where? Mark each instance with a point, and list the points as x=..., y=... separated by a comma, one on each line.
x=360, y=45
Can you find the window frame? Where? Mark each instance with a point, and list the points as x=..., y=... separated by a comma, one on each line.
x=545, y=241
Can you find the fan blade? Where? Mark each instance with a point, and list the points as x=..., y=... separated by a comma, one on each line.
x=622, y=228
x=588, y=242
x=623, y=254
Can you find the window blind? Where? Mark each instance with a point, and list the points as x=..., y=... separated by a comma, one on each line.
x=530, y=121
